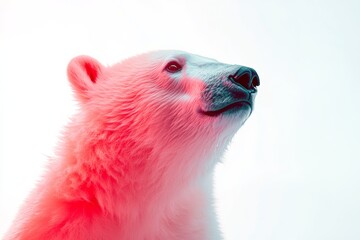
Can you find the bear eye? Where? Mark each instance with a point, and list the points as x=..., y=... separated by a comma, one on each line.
x=173, y=67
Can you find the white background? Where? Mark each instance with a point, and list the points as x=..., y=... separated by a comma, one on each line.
x=292, y=171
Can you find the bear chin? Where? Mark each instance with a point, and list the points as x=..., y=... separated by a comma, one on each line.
x=230, y=110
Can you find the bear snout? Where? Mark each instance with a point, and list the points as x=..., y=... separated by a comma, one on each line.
x=236, y=92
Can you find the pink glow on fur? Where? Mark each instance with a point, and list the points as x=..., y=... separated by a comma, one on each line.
x=136, y=161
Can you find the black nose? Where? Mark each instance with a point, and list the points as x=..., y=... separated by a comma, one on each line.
x=246, y=77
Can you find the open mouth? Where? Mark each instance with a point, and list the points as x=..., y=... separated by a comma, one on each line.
x=231, y=108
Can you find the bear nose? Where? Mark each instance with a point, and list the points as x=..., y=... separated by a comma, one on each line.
x=246, y=77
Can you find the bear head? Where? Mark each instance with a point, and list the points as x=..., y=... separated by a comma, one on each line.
x=167, y=113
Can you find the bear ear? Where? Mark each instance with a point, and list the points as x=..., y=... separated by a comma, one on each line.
x=83, y=73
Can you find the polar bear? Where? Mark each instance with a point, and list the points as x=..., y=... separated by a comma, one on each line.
x=137, y=160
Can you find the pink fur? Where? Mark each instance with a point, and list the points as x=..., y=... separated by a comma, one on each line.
x=137, y=161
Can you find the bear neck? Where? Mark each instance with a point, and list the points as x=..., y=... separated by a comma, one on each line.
x=123, y=177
